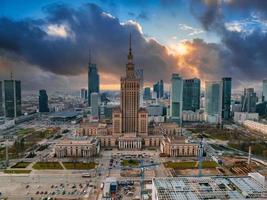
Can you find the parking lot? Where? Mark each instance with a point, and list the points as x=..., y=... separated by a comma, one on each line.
x=46, y=185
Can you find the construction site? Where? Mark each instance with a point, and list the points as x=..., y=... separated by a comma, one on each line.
x=208, y=187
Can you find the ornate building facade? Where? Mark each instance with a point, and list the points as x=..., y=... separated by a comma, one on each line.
x=129, y=129
x=176, y=146
x=77, y=147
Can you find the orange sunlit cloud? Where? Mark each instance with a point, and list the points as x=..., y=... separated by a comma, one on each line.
x=183, y=52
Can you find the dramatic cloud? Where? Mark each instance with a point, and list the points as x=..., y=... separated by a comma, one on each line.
x=243, y=40
x=53, y=50
x=60, y=42
x=190, y=30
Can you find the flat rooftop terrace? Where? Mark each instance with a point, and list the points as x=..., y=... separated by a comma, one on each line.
x=210, y=187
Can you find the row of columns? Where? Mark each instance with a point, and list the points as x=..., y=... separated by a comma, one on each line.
x=73, y=152
x=130, y=144
x=185, y=151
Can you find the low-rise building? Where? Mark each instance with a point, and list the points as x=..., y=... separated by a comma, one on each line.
x=177, y=146
x=256, y=126
x=191, y=116
x=77, y=147
x=207, y=187
x=240, y=117
x=213, y=119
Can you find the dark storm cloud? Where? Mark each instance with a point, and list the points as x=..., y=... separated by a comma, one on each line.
x=247, y=48
x=60, y=42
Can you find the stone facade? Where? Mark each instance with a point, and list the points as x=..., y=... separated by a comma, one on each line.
x=178, y=147
x=129, y=129
x=86, y=147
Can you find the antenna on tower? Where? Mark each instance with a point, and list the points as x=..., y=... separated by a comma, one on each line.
x=90, y=56
x=130, y=42
x=130, y=55
x=11, y=75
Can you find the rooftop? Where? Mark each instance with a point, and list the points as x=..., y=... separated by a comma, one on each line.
x=211, y=187
x=65, y=114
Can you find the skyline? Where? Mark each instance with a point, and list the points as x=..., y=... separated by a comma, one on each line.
x=51, y=41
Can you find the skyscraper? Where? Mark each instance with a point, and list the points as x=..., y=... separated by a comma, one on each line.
x=43, y=101
x=213, y=100
x=95, y=102
x=130, y=88
x=156, y=89
x=140, y=75
x=226, y=97
x=147, y=93
x=264, y=90
x=191, y=94
x=84, y=93
x=12, y=98
x=249, y=100
x=1, y=100
x=93, y=80
x=176, y=101
x=159, y=88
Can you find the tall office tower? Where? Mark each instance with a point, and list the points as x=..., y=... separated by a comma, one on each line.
x=264, y=90
x=1, y=100
x=43, y=101
x=140, y=75
x=93, y=80
x=213, y=100
x=147, y=93
x=130, y=87
x=249, y=100
x=176, y=99
x=191, y=94
x=156, y=89
x=12, y=98
x=83, y=93
x=159, y=89
x=95, y=102
x=226, y=98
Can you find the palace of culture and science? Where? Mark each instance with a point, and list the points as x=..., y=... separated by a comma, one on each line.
x=130, y=128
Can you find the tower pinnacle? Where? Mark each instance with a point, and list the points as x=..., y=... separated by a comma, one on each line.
x=90, y=56
x=11, y=75
x=130, y=55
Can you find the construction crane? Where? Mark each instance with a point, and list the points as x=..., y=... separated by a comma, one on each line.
x=200, y=156
x=142, y=168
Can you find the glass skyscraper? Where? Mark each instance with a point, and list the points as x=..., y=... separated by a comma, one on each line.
x=213, y=100
x=176, y=97
x=264, y=90
x=159, y=88
x=12, y=98
x=191, y=94
x=1, y=100
x=84, y=93
x=249, y=100
x=93, y=81
x=226, y=97
x=147, y=93
x=95, y=102
x=43, y=101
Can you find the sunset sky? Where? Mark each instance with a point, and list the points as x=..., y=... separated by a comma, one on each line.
x=46, y=42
